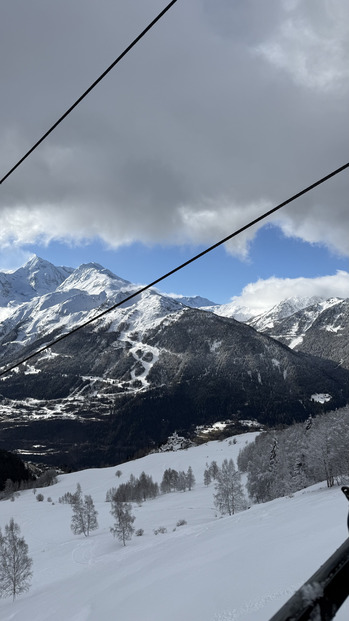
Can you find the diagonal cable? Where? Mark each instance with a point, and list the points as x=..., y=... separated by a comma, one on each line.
x=90, y=88
x=176, y=269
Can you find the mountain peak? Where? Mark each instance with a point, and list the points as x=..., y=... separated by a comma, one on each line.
x=37, y=277
x=94, y=279
x=35, y=261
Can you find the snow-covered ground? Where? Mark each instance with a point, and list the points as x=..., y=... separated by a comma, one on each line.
x=238, y=568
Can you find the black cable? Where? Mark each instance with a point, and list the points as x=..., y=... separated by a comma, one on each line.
x=134, y=42
x=176, y=269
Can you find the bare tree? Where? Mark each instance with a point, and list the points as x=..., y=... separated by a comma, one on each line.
x=190, y=478
x=282, y=462
x=15, y=564
x=229, y=497
x=169, y=481
x=84, y=518
x=214, y=469
x=90, y=515
x=207, y=476
x=123, y=528
x=182, y=482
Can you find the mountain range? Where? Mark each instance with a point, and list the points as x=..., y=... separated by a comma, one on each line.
x=321, y=328
x=120, y=386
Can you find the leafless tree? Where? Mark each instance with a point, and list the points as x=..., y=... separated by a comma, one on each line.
x=229, y=497
x=122, y=528
x=84, y=518
x=15, y=564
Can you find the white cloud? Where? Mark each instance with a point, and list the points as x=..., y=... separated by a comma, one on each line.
x=150, y=153
x=262, y=295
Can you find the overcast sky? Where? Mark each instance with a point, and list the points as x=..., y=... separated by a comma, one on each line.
x=224, y=110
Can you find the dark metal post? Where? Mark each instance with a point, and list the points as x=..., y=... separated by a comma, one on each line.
x=345, y=490
x=322, y=595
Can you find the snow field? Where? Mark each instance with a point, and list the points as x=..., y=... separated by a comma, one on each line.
x=242, y=567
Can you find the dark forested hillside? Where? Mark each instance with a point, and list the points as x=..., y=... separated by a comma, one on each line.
x=12, y=467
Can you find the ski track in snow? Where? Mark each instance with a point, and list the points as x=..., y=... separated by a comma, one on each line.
x=147, y=365
x=83, y=615
x=254, y=605
x=83, y=554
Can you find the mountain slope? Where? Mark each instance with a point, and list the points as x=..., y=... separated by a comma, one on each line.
x=261, y=321
x=238, y=568
x=281, y=311
x=321, y=329
x=195, y=301
x=232, y=310
x=124, y=383
x=131, y=387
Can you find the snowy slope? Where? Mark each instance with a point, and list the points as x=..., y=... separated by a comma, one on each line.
x=320, y=330
x=72, y=300
x=95, y=280
x=267, y=319
x=40, y=296
x=280, y=311
x=240, y=313
x=195, y=301
x=239, y=568
x=292, y=328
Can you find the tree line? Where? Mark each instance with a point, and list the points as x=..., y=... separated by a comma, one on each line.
x=11, y=486
x=281, y=462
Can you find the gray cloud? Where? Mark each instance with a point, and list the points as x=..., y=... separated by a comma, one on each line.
x=223, y=110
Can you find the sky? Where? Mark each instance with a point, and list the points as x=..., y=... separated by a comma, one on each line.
x=221, y=112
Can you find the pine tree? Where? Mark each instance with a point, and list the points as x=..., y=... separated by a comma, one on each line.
x=122, y=528
x=15, y=564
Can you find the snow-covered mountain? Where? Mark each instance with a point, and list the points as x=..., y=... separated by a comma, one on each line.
x=233, y=310
x=280, y=311
x=262, y=321
x=232, y=568
x=140, y=372
x=320, y=329
x=38, y=277
x=195, y=301
x=313, y=325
